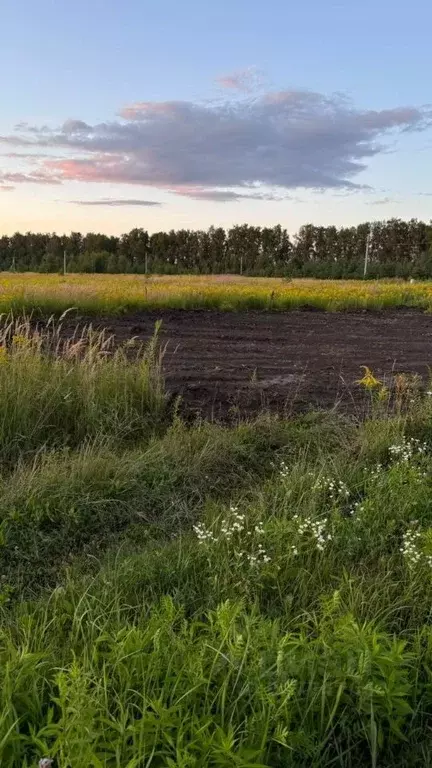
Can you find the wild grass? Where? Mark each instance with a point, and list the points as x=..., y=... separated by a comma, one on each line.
x=252, y=595
x=59, y=394
x=116, y=294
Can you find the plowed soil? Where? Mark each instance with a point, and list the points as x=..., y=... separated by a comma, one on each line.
x=223, y=363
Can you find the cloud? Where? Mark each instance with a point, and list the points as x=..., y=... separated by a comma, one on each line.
x=224, y=150
x=114, y=202
x=75, y=126
x=34, y=177
x=6, y=187
x=224, y=195
x=146, y=110
x=382, y=201
x=244, y=80
x=425, y=194
x=30, y=156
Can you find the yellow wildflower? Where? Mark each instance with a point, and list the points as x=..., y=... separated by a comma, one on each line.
x=18, y=340
x=369, y=381
x=384, y=393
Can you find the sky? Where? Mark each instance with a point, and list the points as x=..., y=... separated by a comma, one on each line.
x=164, y=114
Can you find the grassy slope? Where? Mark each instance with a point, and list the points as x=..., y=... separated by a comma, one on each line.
x=297, y=635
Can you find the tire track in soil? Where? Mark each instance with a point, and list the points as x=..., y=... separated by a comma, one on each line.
x=223, y=363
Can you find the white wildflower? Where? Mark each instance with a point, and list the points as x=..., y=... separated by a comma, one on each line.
x=283, y=470
x=337, y=490
x=411, y=549
x=315, y=529
x=407, y=449
x=240, y=537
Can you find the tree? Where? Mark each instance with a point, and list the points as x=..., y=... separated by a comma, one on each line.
x=134, y=247
x=398, y=248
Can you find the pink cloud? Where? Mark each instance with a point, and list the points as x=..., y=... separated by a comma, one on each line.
x=230, y=81
x=245, y=80
x=114, y=169
x=77, y=170
x=148, y=109
x=220, y=150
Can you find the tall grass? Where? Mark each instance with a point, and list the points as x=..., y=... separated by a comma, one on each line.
x=58, y=393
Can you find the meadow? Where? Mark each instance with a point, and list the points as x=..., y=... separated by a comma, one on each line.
x=116, y=294
x=203, y=595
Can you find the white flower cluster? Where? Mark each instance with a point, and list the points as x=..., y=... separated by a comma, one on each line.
x=235, y=532
x=409, y=546
x=337, y=489
x=407, y=449
x=257, y=557
x=235, y=523
x=418, y=475
x=356, y=509
x=283, y=470
x=411, y=550
x=315, y=528
x=375, y=472
x=204, y=534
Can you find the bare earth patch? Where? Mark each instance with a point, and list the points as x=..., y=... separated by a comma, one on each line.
x=223, y=363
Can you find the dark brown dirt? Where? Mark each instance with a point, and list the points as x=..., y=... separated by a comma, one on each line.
x=223, y=363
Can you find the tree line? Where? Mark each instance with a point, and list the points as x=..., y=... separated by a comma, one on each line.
x=396, y=249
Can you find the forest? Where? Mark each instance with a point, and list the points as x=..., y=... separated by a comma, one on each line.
x=397, y=249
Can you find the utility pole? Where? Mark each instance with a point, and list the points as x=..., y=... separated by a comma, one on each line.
x=64, y=261
x=146, y=263
x=366, y=260
x=13, y=263
x=241, y=265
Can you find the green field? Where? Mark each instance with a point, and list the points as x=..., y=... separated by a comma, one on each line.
x=203, y=595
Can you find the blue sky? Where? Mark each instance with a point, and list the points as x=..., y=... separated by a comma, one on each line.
x=273, y=112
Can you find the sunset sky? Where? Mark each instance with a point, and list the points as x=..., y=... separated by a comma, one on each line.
x=164, y=114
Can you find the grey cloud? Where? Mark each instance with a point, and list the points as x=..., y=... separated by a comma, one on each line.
x=28, y=128
x=36, y=156
x=281, y=140
x=33, y=177
x=226, y=195
x=382, y=201
x=18, y=141
x=75, y=126
x=112, y=201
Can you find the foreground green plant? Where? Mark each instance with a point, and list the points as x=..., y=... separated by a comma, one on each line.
x=98, y=687
x=209, y=597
